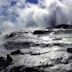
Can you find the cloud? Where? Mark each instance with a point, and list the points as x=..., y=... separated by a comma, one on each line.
x=20, y=14
x=8, y=25
x=34, y=16
x=37, y=16
x=63, y=13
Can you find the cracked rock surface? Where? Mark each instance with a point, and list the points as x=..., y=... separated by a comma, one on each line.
x=48, y=50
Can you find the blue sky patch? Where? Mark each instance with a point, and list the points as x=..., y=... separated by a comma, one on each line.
x=32, y=1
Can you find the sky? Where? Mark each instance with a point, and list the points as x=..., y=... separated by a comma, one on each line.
x=23, y=14
x=33, y=1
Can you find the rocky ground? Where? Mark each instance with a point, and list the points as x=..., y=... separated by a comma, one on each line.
x=48, y=50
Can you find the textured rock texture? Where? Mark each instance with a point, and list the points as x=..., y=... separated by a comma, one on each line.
x=48, y=50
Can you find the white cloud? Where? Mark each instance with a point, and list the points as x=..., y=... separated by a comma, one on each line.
x=7, y=26
x=36, y=16
x=63, y=13
x=43, y=14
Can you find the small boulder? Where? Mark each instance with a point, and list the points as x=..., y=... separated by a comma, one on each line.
x=16, y=52
x=2, y=61
x=41, y=32
x=9, y=60
x=13, y=34
x=69, y=50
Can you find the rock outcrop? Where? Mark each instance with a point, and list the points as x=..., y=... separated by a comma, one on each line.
x=64, y=26
x=42, y=31
x=17, y=52
x=37, y=51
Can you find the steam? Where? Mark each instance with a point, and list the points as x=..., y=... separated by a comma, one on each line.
x=19, y=14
